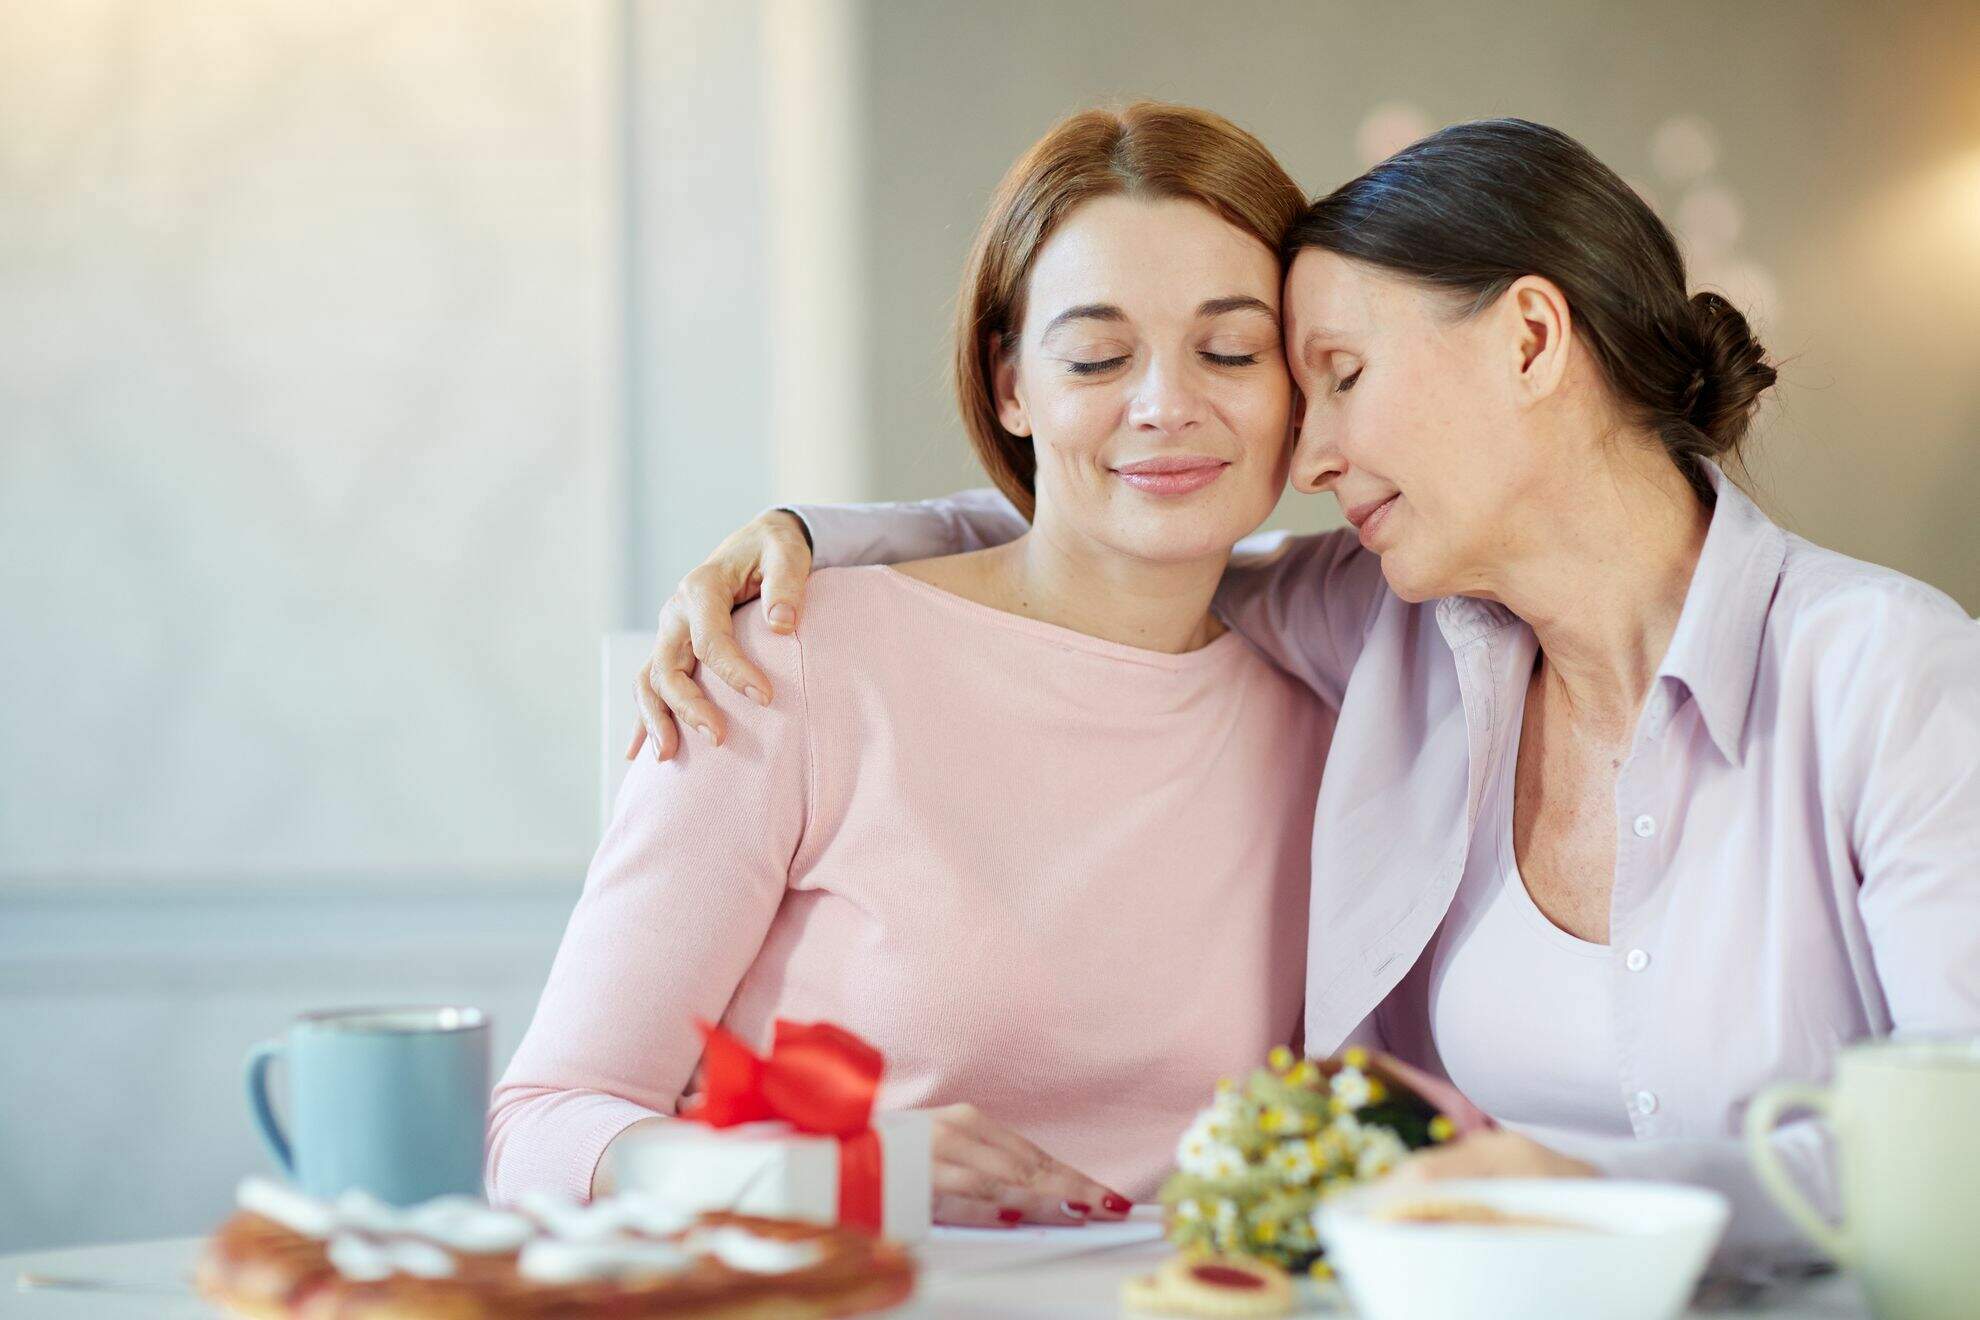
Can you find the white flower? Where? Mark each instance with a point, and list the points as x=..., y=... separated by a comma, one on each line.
x=1294, y=1163
x=1350, y=1087
x=1207, y=1157
x=1225, y=1112
x=1381, y=1151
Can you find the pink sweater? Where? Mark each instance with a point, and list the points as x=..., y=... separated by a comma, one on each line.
x=1059, y=878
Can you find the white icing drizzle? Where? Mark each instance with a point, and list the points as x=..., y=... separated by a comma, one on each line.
x=365, y=1259
x=740, y=1249
x=469, y=1225
x=558, y=1241
x=607, y=1217
x=286, y=1206
x=368, y=1236
x=550, y=1260
x=366, y=1213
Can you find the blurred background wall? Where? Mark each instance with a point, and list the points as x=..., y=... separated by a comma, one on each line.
x=361, y=364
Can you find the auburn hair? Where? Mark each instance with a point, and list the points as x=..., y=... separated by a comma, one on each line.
x=1148, y=149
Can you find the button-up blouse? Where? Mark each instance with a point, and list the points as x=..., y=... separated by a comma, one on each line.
x=1797, y=819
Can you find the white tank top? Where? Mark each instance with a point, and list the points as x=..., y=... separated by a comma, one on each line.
x=1519, y=1010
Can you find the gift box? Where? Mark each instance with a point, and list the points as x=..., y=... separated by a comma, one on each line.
x=791, y=1135
x=770, y=1168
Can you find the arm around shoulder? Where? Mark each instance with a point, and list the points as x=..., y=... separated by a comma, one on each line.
x=1306, y=603
x=843, y=535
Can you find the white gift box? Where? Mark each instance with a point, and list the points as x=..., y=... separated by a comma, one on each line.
x=770, y=1169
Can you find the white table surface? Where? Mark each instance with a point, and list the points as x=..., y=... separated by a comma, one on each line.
x=1023, y=1274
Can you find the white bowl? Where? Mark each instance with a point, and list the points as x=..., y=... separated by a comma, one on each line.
x=1638, y=1256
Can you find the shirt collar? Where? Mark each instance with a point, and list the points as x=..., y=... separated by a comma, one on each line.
x=1715, y=652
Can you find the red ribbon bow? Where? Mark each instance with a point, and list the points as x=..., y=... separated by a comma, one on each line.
x=820, y=1079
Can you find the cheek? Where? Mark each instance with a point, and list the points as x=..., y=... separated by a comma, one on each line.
x=1071, y=426
x=1260, y=413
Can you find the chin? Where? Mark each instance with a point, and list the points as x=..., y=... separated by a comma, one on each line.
x=1180, y=544
x=1411, y=581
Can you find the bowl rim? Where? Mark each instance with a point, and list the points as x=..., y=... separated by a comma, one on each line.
x=1712, y=1210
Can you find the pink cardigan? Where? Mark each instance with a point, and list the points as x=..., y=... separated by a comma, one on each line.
x=1059, y=878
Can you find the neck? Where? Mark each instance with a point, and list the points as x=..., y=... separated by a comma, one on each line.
x=1604, y=586
x=1060, y=576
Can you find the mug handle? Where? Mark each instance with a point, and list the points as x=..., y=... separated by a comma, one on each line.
x=258, y=1060
x=1761, y=1117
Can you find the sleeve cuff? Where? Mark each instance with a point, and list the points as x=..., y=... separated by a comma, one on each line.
x=561, y=1146
x=804, y=525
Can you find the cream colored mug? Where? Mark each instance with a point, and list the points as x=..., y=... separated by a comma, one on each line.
x=1906, y=1119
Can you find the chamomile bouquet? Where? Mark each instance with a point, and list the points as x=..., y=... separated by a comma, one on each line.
x=1252, y=1167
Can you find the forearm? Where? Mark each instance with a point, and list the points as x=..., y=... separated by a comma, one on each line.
x=843, y=535
x=543, y=1139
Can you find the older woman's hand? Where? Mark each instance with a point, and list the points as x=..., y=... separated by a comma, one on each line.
x=988, y=1176
x=768, y=556
x=1497, y=1154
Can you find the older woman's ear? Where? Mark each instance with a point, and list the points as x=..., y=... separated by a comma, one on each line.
x=1540, y=332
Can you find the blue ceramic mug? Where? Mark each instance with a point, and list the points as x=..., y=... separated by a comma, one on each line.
x=392, y=1101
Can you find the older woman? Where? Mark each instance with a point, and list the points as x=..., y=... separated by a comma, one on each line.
x=1636, y=801
x=1027, y=819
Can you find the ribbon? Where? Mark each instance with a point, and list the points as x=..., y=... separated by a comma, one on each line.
x=820, y=1079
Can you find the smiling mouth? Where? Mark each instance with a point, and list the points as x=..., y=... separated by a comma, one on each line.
x=1367, y=518
x=1172, y=476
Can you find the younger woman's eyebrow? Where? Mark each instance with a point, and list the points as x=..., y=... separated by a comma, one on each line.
x=1084, y=312
x=1236, y=303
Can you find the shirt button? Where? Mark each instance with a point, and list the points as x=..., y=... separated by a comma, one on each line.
x=1644, y=827
x=1646, y=1102
x=1636, y=960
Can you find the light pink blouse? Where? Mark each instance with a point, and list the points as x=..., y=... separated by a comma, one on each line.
x=1797, y=823
x=1059, y=878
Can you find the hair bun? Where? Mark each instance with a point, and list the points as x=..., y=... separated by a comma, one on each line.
x=1732, y=372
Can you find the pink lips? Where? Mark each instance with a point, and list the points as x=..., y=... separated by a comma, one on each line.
x=1172, y=476
x=1368, y=518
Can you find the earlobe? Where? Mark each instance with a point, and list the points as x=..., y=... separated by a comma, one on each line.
x=1011, y=412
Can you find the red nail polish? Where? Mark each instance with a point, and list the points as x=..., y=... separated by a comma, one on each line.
x=1010, y=1215
x=1079, y=1209
x=1119, y=1205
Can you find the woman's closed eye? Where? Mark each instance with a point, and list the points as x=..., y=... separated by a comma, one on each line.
x=1097, y=366
x=1346, y=383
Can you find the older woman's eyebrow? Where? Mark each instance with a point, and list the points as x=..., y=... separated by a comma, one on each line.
x=1315, y=337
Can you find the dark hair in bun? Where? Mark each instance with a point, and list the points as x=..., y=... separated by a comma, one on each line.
x=1475, y=207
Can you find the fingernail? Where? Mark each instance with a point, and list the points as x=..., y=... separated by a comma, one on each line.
x=755, y=694
x=1008, y=1215
x=1119, y=1205
x=705, y=732
x=781, y=612
x=1075, y=1209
